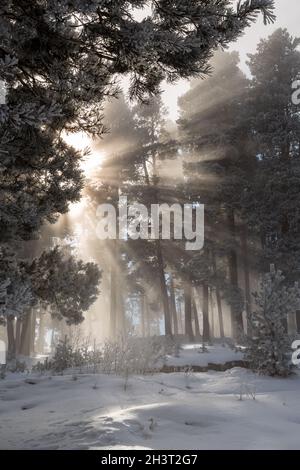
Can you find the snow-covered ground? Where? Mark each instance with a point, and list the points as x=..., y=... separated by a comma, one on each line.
x=192, y=355
x=162, y=411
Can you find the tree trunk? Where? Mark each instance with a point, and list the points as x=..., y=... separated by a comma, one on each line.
x=180, y=317
x=28, y=334
x=32, y=332
x=211, y=303
x=147, y=315
x=160, y=260
x=121, y=314
x=218, y=298
x=236, y=318
x=197, y=326
x=41, y=336
x=298, y=321
x=245, y=256
x=188, y=312
x=173, y=306
x=18, y=334
x=205, y=313
x=143, y=315
x=113, y=303
x=163, y=289
x=11, y=341
x=220, y=313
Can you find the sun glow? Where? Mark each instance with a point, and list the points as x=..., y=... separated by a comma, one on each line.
x=76, y=209
x=89, y=165
x=81, y=142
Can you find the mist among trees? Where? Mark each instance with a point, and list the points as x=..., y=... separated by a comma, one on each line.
x=235, y=149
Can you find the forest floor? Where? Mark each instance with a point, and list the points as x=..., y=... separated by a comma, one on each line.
x=235, y=409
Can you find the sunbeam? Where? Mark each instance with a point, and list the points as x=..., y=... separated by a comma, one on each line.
x=82, y=142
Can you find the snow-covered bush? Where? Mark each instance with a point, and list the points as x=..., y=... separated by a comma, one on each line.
x=247, y=391
x=123, y=357
x=188, y=372
x=68, y=354
x=269, y=345
x=133, y=355
x=64, y=356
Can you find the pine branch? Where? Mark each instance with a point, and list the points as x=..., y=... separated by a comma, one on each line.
x=250, y=8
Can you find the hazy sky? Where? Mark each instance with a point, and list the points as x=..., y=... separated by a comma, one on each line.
x=288, y=16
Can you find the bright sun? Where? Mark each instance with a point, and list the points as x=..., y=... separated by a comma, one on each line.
x=89, y=165
x=81, y=141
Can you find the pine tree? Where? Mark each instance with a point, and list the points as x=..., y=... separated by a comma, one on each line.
x=269, y=345
x=275, y=120
x=271, y=199
x=213, y=136
x=15, y=293
x=64, y=284
x=59, y=60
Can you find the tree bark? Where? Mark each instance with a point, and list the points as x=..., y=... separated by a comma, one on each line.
x=113, y=303
x=236, y=318
x=218, y=298
x=197, y=326
x=298, y=321
x=173, y=306
x=180, y=317
x=41, y=336
x=121, y=314
x=32, y=332
x=28, y=334
x=11, y=340
x=160, y=260
x=188, y=312
x=147, y=315
x=18, y=334
x=205, y=313
x=163, y=289
x=220, y=313
x=143, y=315
x=245, y=256
x=211, y=304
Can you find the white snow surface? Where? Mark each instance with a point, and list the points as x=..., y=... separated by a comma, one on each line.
x=192, y=355
x=159, y=411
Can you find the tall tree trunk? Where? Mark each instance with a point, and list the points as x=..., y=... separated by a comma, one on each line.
x=28, y=334
x=113, y=303
x=211, y=303
x=121, y=314
x=18, y=334
x=236, y=317
x=173, y=306
x=205, y=313
x=33, y=332
x=197, y=326
x=163, y=289
x=11, y=340
x=53, y=342
x=143, y=315
x=218, y=298
x=220, y=312
x=245, y=256
x=41, y=334
x=188, y=311
x=298, y=321
x=147, y=315
x=180, y=317
x=160, y=260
